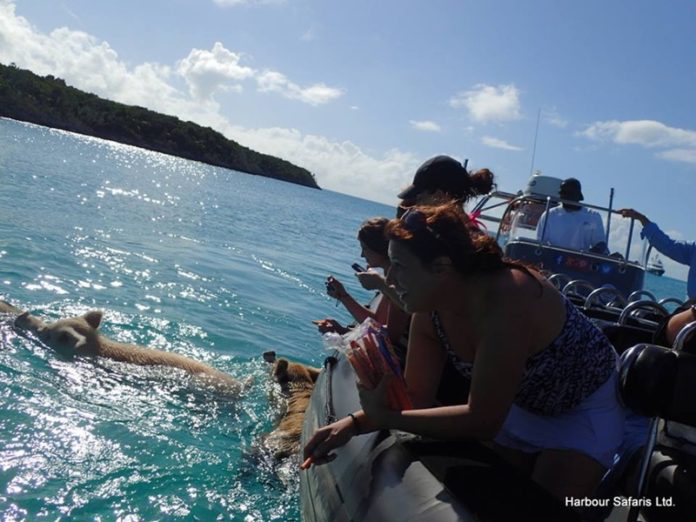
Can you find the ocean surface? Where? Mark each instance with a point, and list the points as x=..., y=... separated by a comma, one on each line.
x=210, y=263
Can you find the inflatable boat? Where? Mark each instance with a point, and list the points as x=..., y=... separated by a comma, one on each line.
x=393, y=476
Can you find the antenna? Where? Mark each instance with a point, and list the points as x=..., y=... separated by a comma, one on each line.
x=536, y=134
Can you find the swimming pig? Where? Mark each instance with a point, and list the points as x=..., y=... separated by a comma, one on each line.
x=80, y=336
x=27, y=321
x=297, y=382
x=7, y=308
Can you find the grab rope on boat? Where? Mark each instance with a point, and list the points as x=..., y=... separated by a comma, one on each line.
x=330, y=413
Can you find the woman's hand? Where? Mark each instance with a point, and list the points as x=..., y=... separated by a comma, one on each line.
x=327, y=439
x=375, y=403
x=334, y=288
x=371, y=280
x=330, y=325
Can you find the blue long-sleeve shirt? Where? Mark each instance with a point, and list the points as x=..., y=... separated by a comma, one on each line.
x=681, y=251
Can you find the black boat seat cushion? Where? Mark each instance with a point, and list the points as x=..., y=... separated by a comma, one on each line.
x=671, y=475
x=658, y=382
x=623, y=337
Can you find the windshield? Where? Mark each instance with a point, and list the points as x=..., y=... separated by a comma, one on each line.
x=575, y=227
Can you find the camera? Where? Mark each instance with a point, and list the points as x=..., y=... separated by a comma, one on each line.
x=358, y=268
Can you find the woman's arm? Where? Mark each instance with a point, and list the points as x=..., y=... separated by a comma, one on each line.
x=681, y=251
x=335, y=289
x=425, y=353
x=397, y=322
x=373, y=281
x=499, y=364
x=425, y=360
x=498, y=368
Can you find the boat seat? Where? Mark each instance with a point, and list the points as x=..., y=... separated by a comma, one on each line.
x=661, y=383
x=671, y=475
x=603, y=314
x=624, y=336
x=491, y=488
x=577, y=299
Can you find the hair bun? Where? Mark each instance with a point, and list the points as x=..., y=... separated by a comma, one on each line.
x=481, y=181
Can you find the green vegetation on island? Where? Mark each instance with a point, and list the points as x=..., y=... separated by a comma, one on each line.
x=48, y=101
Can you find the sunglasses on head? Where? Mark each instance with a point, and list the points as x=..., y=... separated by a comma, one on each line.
x=415, y=220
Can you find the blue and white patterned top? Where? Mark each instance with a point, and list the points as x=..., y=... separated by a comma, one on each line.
x=562, y=375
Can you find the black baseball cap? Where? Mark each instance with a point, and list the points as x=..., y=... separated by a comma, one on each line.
x=439, y=173
x=571, y=189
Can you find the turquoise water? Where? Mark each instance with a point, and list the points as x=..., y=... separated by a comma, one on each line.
x=206, y=262
x=663, y=286
x=180, y=256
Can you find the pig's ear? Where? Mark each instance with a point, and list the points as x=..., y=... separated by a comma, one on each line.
x=93, y=318
x=22, y=319
x=79, y=341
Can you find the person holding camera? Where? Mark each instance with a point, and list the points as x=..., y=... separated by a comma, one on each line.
x=387, y=312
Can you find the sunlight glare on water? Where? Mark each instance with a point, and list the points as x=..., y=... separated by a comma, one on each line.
x=209, y=263
x=206, y=262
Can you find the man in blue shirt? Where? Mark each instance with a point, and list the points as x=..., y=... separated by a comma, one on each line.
x=681, y=251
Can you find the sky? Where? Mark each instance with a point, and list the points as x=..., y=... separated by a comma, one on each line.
x=362, y=92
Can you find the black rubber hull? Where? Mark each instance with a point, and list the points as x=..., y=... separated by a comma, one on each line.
x=386, y=476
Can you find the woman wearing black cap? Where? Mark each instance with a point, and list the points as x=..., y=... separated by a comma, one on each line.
x=442, y=179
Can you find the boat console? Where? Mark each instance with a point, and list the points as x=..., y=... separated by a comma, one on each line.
x=514, y=220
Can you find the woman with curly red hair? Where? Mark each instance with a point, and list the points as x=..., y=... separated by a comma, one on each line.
x=543, y=379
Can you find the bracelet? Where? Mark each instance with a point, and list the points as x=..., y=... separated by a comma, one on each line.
x=356, y=424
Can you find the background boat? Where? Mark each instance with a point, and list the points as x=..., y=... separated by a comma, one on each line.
x=655, y=266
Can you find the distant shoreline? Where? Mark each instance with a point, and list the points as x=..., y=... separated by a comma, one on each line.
x=48, y=101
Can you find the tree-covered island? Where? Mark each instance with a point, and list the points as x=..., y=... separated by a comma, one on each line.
x=48, y=101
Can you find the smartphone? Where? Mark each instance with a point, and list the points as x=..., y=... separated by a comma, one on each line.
x=358, y=268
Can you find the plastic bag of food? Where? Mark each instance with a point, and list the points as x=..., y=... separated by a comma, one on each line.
x=372, y=356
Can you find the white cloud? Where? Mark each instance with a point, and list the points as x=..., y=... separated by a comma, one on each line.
x=207, y=71
x=497, y=143
x=309, y=35
x=553, y=118
x=487, y=103
x=679, y=144
x=92, y=65
x=426, y=125
x=89, y=64
x=317, y=94
x=340, y=166
x=683, y=155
